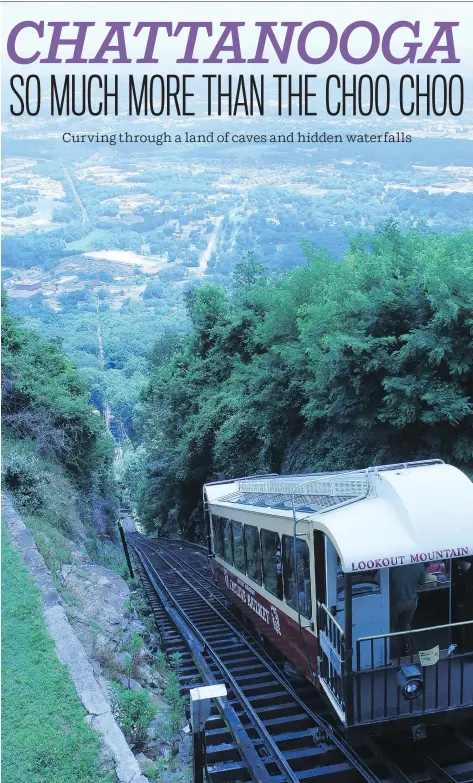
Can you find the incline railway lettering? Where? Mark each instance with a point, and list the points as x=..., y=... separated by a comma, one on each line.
x=258, y=608
x=248, y=599
x=418, y=557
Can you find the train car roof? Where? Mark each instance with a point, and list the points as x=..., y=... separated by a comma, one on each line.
x=376, y=518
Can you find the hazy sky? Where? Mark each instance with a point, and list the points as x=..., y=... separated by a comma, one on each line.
x=340, y=14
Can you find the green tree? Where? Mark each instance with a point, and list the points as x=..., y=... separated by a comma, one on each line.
x=248, y=271
x=330, y=366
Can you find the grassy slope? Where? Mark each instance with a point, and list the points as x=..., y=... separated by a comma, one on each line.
x=45, y=739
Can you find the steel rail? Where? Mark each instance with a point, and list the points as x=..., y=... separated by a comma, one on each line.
x=438, y=773
x=266, y=737
x=197, y=647
x=338, y=741
x=192, y=544
x=398, y=775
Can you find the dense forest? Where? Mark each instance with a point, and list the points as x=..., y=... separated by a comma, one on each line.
x=327, y=366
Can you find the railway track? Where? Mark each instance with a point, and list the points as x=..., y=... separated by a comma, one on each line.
x=269, y=729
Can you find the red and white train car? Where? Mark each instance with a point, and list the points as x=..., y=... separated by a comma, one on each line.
x=312, y=560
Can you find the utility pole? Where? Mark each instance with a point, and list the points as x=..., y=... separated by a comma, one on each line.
x=125, y=549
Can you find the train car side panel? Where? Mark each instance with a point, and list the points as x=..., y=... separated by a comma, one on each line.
x=270, y=620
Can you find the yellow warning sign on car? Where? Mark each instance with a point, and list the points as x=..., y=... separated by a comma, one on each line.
x=429, y=657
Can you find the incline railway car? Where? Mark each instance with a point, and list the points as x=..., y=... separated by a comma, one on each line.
x=363, y=580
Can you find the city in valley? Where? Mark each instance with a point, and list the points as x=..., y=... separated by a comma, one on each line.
x=88, y=229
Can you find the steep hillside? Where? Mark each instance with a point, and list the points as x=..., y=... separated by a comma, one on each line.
x=57, y=454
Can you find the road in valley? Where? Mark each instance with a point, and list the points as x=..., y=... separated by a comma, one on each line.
x=206, y=254
x=85, y=217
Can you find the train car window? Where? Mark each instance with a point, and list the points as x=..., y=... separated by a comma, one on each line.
x=272, y=565
x=297, y=584
x=217, y=529
x=227, y=540
x=252, y=553
x=438, y=575
x=364, y=583
x=238, y=546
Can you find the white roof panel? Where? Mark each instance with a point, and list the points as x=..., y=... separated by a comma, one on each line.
x=415, y=513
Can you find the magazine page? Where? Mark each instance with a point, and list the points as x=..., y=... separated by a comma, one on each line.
x=237, y=306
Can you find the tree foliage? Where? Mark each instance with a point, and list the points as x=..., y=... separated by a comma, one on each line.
x=330, y=366
x=45, y=400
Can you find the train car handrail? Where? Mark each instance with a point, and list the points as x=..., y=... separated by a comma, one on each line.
x=329, y=614
x=240, y=478
x=414, y=630
x=405, y=465
x=385, y=655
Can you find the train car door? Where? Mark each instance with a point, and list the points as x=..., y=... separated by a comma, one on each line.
x=370, y=607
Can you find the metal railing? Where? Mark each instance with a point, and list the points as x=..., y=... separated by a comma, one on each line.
x=351, y=485
x=447, y=673
x=331, y=656
x=347, y=484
